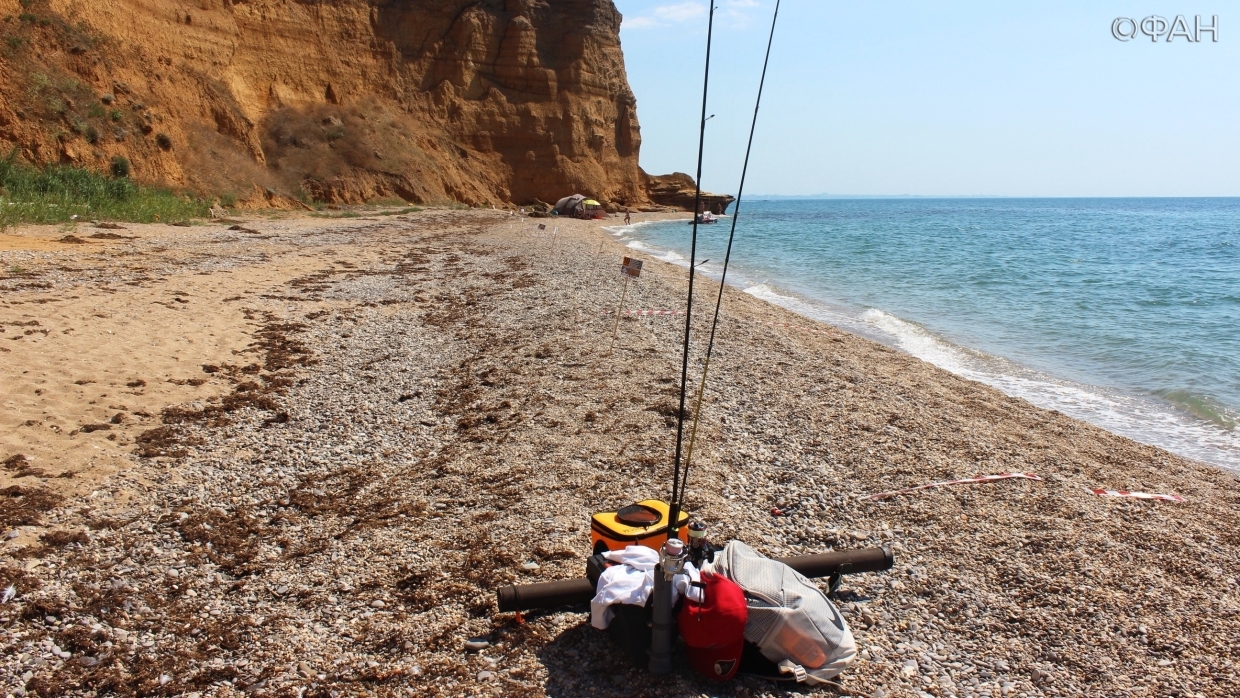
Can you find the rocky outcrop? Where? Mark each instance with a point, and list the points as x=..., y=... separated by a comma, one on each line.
x=477, y=101
x=678, y=190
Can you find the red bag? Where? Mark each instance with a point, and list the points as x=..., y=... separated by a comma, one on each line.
x=714, y=630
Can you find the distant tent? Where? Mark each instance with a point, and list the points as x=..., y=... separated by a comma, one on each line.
x=569, y=205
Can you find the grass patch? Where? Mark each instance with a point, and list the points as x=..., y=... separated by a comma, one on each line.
x=336, y=214
x=55, y=194
x=401, y=212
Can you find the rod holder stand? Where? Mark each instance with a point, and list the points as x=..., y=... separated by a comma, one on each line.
x=661, y=629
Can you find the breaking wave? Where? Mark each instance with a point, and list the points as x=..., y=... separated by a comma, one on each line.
x=1182, y=421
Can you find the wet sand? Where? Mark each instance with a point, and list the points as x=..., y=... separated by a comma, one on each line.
x=303, y=454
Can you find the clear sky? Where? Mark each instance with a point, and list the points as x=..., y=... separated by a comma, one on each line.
x=948, y=98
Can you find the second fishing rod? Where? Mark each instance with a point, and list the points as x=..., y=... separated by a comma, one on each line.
x=673, y=555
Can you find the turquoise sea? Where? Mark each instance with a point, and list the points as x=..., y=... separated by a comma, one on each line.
x=1122, y=312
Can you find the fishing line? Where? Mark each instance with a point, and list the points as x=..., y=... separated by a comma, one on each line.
x=674, y=512
x=736, y=214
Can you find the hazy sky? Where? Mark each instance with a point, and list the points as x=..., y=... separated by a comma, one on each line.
x=959, y=98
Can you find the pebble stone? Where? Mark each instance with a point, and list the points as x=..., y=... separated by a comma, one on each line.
x=444, y=411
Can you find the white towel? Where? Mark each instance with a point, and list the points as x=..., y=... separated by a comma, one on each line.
x=632, y=580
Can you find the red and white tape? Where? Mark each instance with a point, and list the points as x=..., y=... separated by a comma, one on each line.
x=980, y=478
x=1138, y=495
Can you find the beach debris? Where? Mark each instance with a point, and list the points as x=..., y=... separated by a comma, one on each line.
x=970, y=480
x=1138, y=495
x=8, y=594
x=477, y=644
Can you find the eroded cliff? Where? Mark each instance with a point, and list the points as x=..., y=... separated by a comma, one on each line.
x=482, y=102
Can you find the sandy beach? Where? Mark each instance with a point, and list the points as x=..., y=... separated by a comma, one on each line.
x=296, y=456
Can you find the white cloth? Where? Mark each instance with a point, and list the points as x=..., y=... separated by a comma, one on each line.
x=682, y=585
x=632, y=580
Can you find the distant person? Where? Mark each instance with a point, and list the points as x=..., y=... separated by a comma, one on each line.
x=627, y=218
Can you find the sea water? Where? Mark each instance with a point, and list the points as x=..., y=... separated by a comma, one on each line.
x=1121, y=312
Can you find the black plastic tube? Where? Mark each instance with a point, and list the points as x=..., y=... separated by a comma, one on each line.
x=843, y=562
x=569, y=592
x=528, y=597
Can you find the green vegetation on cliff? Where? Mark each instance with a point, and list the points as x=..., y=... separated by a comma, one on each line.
x=57, y=193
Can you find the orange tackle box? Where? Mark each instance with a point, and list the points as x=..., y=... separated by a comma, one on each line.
x=643, y=523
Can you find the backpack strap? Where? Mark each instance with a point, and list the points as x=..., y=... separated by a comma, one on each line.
x=798, y=672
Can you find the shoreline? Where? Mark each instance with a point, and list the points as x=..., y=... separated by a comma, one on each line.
x=431, y=408
x=1142, y=416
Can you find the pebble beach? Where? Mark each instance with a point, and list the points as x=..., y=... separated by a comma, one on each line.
x=296, y=456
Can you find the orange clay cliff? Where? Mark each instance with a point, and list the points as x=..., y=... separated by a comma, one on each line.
x=343, y=101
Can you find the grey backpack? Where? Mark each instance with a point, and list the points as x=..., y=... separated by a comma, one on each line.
x=790, y=620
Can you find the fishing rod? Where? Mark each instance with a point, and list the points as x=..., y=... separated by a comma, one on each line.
x=674, y=513
x=648, y=629
x=736, y=214
x=672, y=556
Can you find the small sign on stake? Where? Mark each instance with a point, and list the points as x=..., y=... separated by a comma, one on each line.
x=631, y=267
x=542, y=226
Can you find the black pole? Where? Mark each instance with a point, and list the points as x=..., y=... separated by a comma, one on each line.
x=574, y=591
x=674, y=520
x=682, y=486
